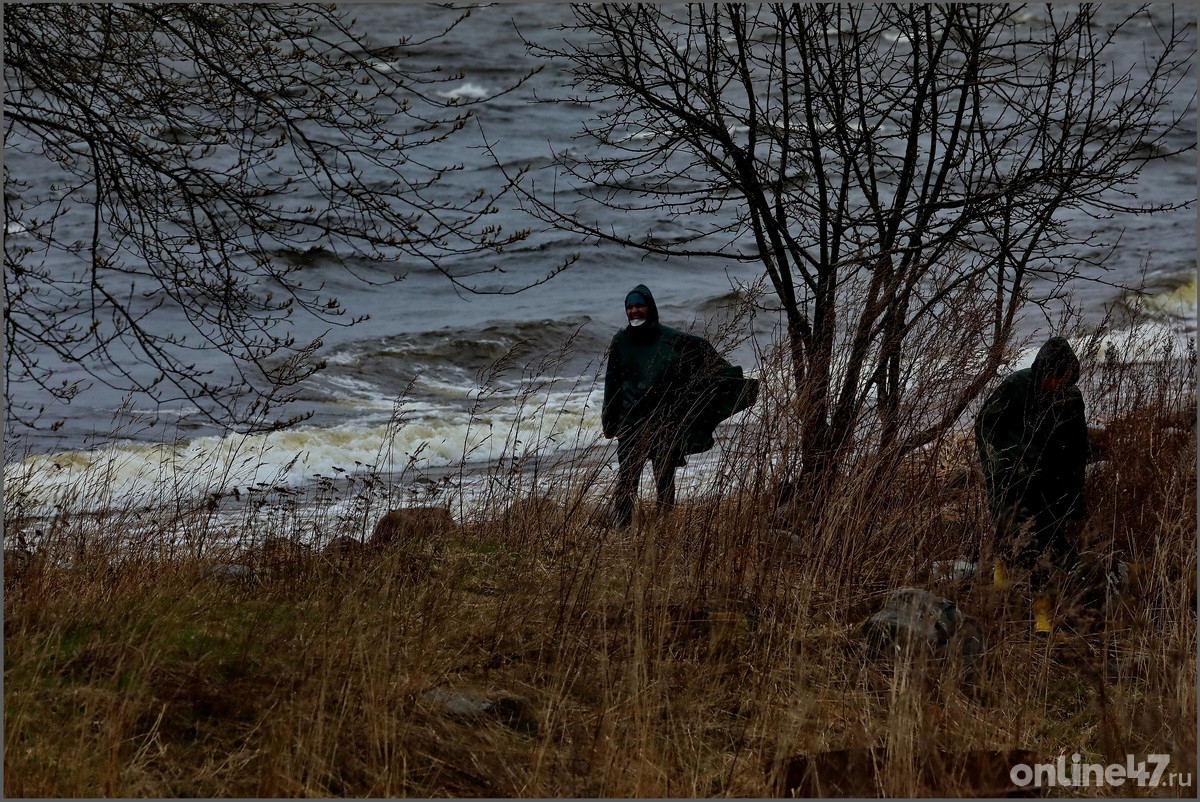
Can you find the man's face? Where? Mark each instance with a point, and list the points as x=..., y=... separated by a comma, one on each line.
x=637, y=311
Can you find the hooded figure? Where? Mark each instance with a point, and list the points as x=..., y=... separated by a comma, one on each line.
x=1032, y=439
x=664, y=393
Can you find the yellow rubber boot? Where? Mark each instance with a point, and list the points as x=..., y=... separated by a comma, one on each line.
x=1042, y=624
x=1000, y=576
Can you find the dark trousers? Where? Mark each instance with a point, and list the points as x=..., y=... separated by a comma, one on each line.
x=634, y=449
x=1034, y=535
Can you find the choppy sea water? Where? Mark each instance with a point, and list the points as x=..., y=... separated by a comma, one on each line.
x=436, y=379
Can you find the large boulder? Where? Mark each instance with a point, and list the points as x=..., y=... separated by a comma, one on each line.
x=412, y=527
x=919, y=623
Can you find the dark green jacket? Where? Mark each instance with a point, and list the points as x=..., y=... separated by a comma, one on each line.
x=1033, y=445
x=672, y=381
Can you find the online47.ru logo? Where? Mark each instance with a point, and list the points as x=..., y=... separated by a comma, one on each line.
x=1149, y=773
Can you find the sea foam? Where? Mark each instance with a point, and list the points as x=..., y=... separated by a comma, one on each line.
x=417, y=437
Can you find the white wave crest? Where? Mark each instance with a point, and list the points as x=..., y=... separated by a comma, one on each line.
x=419, y=436
x=467, y=91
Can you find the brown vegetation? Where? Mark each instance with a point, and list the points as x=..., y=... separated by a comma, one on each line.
x=536, y=655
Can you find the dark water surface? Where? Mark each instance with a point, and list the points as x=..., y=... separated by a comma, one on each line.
x=426, y=350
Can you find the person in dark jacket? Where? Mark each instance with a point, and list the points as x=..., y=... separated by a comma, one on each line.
x=1032, y=439
x=653, y=400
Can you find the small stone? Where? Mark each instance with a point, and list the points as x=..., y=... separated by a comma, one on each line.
x=952, y=570
x=508, y=710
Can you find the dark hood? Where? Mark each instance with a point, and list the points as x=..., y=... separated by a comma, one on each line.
x=1056, y=358
x=652, y=317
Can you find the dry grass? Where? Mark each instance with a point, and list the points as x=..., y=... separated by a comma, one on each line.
x=679, y=658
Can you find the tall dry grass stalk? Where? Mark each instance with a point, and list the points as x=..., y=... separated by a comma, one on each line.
x=532, y=653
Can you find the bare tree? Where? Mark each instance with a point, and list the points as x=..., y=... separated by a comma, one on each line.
x=898, y=170
x=208, y=151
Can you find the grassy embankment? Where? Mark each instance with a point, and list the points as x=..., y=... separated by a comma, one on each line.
x=676, y=659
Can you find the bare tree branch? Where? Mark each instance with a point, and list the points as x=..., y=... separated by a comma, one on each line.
x=212, y=150
x=900, y=172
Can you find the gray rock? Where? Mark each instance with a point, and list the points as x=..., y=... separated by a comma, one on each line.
x=915, y=620
x=470, y=705
x=460, y=704
x=1128, y=580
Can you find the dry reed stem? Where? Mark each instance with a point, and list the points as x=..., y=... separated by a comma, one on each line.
x=677, y=658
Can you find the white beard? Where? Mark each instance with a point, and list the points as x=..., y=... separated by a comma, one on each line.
x=637, y=322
